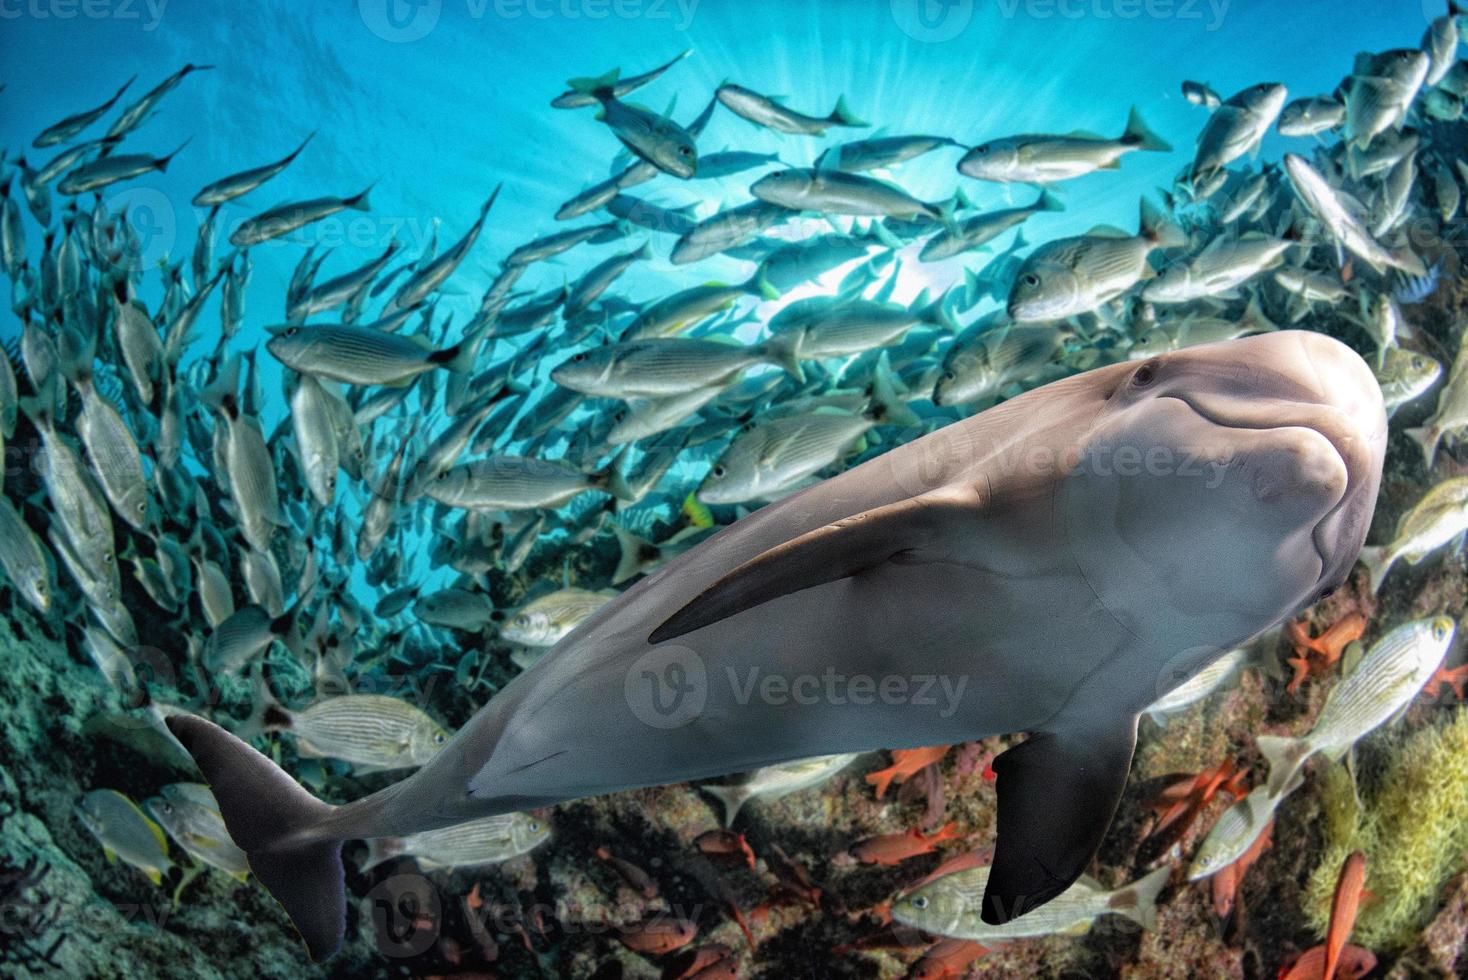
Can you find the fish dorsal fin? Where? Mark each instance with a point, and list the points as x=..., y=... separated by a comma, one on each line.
x=1107, y=231
x=1083, y=134
x=911, y=527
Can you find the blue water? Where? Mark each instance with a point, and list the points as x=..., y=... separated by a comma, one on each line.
x=434, y=102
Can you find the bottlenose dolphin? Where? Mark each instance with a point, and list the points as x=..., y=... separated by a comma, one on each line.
x=1071, y=554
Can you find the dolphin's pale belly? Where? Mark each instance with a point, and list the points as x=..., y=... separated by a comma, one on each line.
x=887, y=659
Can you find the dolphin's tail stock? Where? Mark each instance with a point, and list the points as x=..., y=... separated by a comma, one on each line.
x=272, y=819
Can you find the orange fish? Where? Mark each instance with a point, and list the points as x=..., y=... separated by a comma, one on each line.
x=892, y=849
x=690, y=962
x=905, y=763
x=1186, y=798
x=1326, y=647
x=657, y=934
x=1343, y=909
x=1355, y=963
x=634, y=876
x=1455, y=677
x=727, y=845
x=1226, y=883
x=947, y=959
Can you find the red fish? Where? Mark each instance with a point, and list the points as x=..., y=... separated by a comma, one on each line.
x=726, y=845
x=1343, y=907
x=1454, y=677
x=905, y=762
x=949, y=958
x=657, y=934
x=634, y=876
x=1186, y=798
x=893, y=849
x=1325, y=648
x=1355, y=963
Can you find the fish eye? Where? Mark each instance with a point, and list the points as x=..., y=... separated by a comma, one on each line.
x=718, y=471
x=920, y=902
x=438, y=738
x=578, y=358
x=1418, y=362
x=982, y=149
x=685, y=151
x=107, y=558
x=1440, y=630
x=444, y=475
x=949, y=376
x=1144, y=376
x=291, y=331
x=1030, y=279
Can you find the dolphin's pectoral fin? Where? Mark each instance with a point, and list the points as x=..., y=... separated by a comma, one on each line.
x=901, y=530
x=1057, y=795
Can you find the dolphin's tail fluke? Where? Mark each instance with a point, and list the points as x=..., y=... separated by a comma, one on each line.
x=272, y=818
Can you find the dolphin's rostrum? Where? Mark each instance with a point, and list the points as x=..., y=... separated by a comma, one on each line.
x=1066, y=551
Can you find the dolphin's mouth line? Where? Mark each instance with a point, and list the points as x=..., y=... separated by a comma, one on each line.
x=1315, y=533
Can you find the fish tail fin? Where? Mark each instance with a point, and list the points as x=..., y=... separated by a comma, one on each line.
x=1137, y=134
x=1158, y=229
x=843, y=116
x=460, y=358
x=759, y=285
x=888, y=404
x=162, y=162
x=1408, y=261
x=1285, y=757
x=358, y=202
x=598, y=87
x=1048, y=201
x=297, y=151
x=629, y=561
x=1138, y=901
x=610, y=479
x=1427, y=437
x=380, y=849
x=267, y=714
x=1255, y=317
x=936, y=313
x=1378, y=561
x=782, y=350
x=882, y=779
x=732, y=797
x=271, y=818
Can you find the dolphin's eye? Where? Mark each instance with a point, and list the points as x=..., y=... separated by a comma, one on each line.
x=1144, y=376
x=1030, y=279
